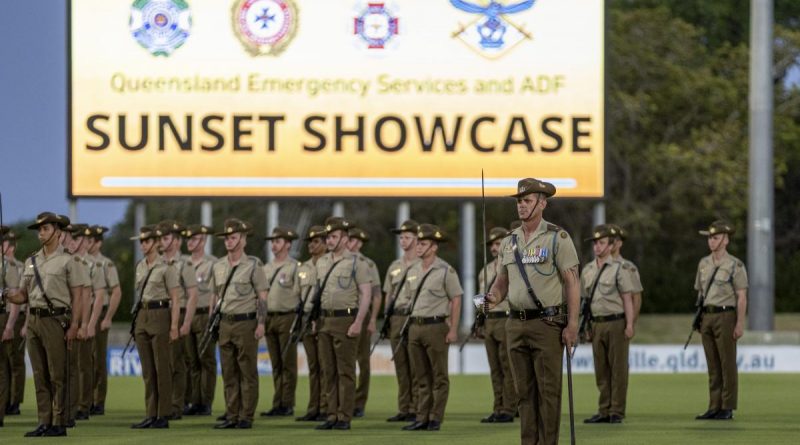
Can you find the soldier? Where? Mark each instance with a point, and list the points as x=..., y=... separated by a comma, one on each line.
x=346, y=288
x=170, y=241
x=543, y=255
x=631, y=268
x=393, y=286
x=284, y=297
x=93, y=299
x=606, y=286
x=357, y=239
x=202, y=369
x=307, y=284
x=51, y=283
x=158, y=291
x=494, y=338
x=435, y=293
x=110, y=303
x=241, y=288
x=14, y=359
x=721, y=283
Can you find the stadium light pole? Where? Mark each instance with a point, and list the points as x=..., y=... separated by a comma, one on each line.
x=403, y=213
x=760, y=235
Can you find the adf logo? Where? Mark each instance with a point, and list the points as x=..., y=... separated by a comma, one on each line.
x=491, y=33
x=265, y=27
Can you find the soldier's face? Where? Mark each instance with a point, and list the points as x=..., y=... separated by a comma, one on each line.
x=232, y=241
x=354, y=244
x=45, y=232
x=165, y=241
x=426, y=248
x=146, y=245
x=718, y=242
x=196, y=242
x=530, y=206
x=316, y=246
x=279, y=245
x=407, y=241
x=335, y=241
x=494, y=248
x=601, y=247
x=616, y=247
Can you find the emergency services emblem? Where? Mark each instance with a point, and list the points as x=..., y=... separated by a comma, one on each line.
x=265, y=27
x=491, y=33
x=160, y=26
x=375, y=26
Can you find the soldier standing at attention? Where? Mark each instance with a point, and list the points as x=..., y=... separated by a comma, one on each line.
x=110, y=302
x=241, y=287
x=12, y=318
x=393, y=286
x=435, y=293
x=201, y=370
x=628, y=267
x=357, y=239
x=52, y=283
x=607, y=287
x=494, y=338
x=346, y=290
x=721, y=282
x=169, y=232
x=543, y=314
x=158, y=290
x=307, y=285
x=284, y=297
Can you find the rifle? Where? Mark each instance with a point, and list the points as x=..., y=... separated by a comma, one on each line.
x=297, y=325
x=316, y=306
x=212, y=329
x=386, y=327
x=698, y=314
x=586, y=308
x=480, y=313
x=480, y=320
x=135, y=313
x=404, y=329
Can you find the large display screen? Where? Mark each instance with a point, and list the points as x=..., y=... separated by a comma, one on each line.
x=282, y=98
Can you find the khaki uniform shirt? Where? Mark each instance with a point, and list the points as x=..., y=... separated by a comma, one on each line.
x=730, y=277
x=631, y=269
x=96, y=277
x=163, y=278
x=242, y=292
x=545, y=255
x=615, y=281
x=106, y=267
x=188, y=279
x=306, y=284
x=12, y=273
x=202, y=270
x=374, y=274
x=441, y=286
x=59, y=272
x=341, y=290
x=394, y=275
x=491, y=275
x=281, y=278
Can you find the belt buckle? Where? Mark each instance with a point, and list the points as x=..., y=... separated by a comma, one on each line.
x=549, y=312
x=523, y=315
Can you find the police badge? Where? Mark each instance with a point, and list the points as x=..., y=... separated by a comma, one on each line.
x=375, y=25
x=160, y=26
x=492, y=34
x=265, y=27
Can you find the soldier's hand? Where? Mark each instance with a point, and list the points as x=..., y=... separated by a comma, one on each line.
x=105, y=325
x=8, y=333
x=629, y=332
x=24, y=331
x=738, y=331
x=259, y=331
x=185, y=330
x=173, y=334
x=491, y=300
x=569, y=336
x=72, y=333
x=354, y=330
x=372, y=327
x=82, y=333
x=452, y=336
x=90, y=331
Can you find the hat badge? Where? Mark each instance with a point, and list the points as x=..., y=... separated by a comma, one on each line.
x=597, y=234
x=437, y=235
x=230, y=229
x=713, y=230
x=328, y=227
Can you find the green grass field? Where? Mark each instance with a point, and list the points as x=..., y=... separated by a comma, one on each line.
x=661, y=410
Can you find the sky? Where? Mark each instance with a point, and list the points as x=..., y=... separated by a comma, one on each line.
x=33, y=116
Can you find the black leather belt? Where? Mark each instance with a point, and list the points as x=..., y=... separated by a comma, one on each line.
x=403, y=312
x=239, y=317
x=605, y=318
x=497, y=314
x=536, y=314
x=273, y=313
x=158, y=304
x=718, y=309
x=44, y=312
x=339, y=312
x=426, y=320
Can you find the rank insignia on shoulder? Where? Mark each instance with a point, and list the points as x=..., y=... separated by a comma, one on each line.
x=625, y=266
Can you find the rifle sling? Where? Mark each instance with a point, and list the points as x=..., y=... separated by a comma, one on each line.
x=419, y=290
x=594, y=288
x=521, y=267
x=390, y=310
x=708, y=286
x=225, y=287
x=38, y=278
